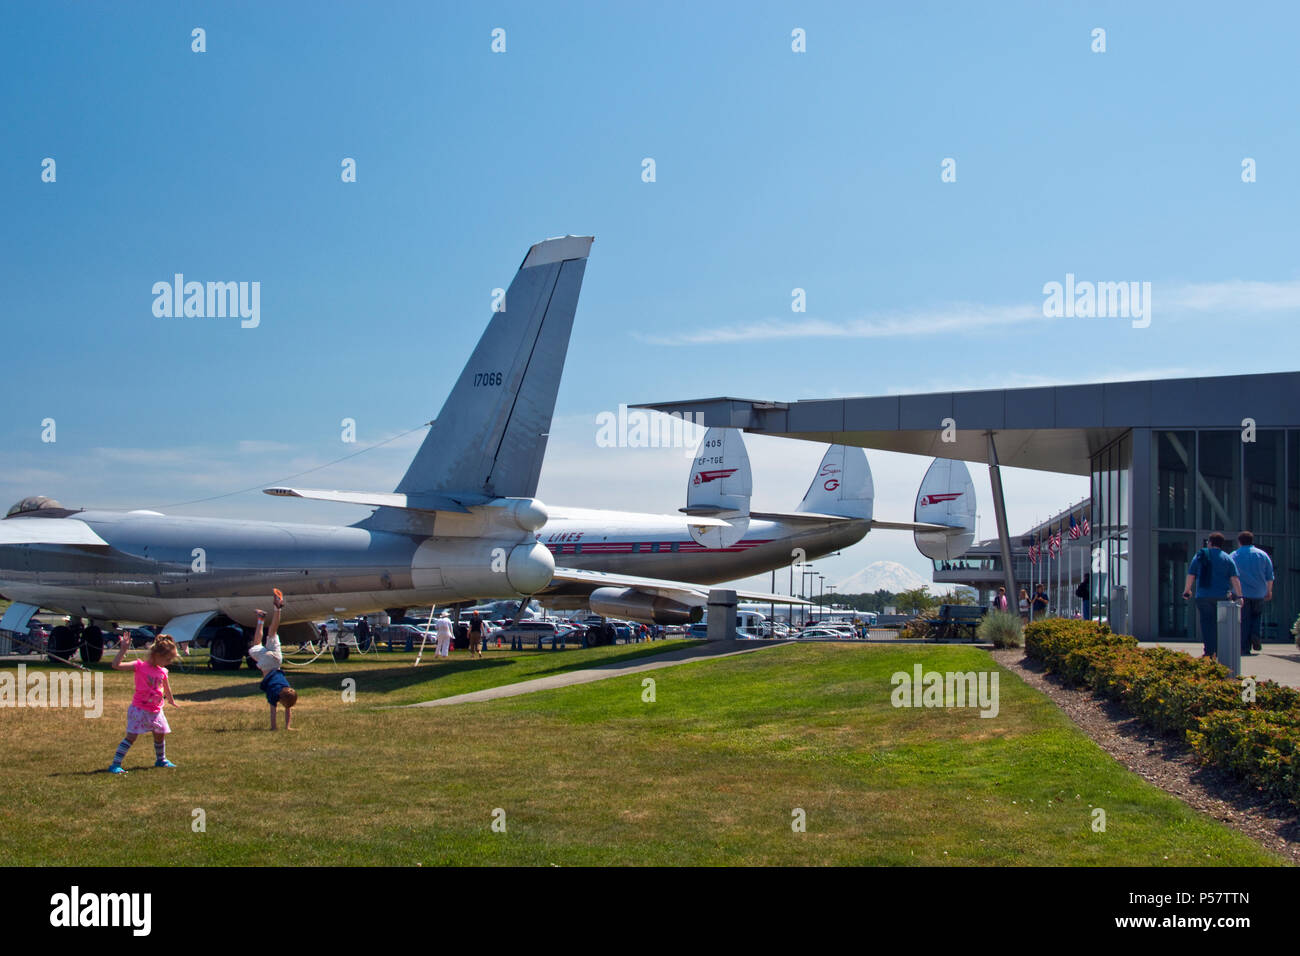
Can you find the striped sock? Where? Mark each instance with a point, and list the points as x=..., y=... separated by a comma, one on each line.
x=122, y=748
x=160, y=747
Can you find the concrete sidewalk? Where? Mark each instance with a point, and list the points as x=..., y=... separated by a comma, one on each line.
x=1276, y=662
x=586, y=675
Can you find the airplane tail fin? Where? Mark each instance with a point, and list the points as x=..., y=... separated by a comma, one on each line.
x=490, y=436
x=720, y=487
x=946, y=497
x=842, y=485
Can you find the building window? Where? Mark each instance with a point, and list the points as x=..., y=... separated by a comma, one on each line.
x=1264, y=481
x=1174, y=551
x=1293, y=481
x=1219, y=479
x=1175, y=464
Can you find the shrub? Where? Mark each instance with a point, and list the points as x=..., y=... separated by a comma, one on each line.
x=1193, y=697
x=1260, y=745
x=1001, y=629
x=918, y=628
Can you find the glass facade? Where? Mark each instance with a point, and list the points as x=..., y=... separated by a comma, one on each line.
x=1204, y=481
x=1111, y=507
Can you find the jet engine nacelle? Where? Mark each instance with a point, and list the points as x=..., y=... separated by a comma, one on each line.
x=639, y=606
x=530, y=567
x=528, y=514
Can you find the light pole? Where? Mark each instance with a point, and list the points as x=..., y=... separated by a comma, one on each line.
x=805, y=582
x=821, y=617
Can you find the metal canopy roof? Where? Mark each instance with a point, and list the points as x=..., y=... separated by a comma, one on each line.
x=1054, y=428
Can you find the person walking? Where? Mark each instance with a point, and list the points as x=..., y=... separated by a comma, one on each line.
x=1255, y=569
x=1213, y=576
x=1023, y=606
x=1084, y=593
x=1000, y=601
x=1038, y=607
x=476, y=640
x=444, y=636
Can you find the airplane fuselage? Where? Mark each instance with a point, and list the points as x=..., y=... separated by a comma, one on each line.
x=662, y=546
x=159, y=567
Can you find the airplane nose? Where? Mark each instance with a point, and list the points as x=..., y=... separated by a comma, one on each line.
x=530, y=567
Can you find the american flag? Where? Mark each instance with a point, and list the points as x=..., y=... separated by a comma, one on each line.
x=1087, y=529
x=1055, y=544
x=1074, y=528
x=1033, y=553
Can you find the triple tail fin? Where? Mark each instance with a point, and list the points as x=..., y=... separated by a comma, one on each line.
x=842, y=486
x=720, y=486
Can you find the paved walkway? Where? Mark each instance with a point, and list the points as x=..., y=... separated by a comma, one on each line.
x=1276, y=662
x=586, y=675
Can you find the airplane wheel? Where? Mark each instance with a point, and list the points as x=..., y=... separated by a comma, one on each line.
x=341, y=652
x=63, y=643
x=227, y=649
x=92, y=644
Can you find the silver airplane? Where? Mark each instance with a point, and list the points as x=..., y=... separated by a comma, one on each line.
x=461, y=524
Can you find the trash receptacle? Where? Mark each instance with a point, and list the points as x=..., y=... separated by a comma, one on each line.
x=1229, y=622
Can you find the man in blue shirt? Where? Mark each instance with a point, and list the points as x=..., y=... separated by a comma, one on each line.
x=1213, y=574
x=1255, y=568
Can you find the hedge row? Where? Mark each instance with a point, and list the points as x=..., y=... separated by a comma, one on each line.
x=1195, y=698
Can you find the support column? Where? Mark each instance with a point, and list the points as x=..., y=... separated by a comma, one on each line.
x=1000, y=513
x=722, y=615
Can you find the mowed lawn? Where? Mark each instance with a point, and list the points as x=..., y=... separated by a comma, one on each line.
x=711, y=772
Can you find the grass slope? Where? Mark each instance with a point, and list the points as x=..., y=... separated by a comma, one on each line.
x=709, y=773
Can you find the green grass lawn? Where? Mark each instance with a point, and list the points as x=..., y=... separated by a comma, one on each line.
x=709, y=773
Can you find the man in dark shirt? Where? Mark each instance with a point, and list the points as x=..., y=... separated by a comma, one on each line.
x=1212, y=575
x=1038, y=607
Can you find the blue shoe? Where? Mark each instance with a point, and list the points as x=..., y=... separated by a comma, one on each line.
x=115, y=768
x=164, y=763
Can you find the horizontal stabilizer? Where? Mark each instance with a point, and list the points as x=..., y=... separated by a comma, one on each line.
x=382, y=499
x=922, y=526
x=49, y=531
x=681, y=591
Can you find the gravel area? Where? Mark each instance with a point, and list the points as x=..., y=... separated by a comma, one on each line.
x=1166, y=761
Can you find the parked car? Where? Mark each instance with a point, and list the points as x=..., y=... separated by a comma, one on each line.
x=821, y=634
x=526, y=634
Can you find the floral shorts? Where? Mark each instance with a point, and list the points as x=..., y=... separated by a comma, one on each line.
x=140, y=721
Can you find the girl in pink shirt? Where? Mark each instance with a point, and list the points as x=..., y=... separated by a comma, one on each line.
x=145, y=715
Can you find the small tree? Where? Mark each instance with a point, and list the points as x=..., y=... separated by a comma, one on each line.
x=914, y=601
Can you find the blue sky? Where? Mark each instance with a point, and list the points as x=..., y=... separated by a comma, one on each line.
x=775, y=170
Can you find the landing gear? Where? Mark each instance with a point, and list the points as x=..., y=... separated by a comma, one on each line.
x=227, y=650
x=92, y=644
x=63, y=644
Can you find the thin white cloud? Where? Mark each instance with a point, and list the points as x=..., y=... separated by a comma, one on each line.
x=1230, y=297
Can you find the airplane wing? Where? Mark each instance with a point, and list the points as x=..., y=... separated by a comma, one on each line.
x=49, y=531
x=681, y=591
x=379, y=499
